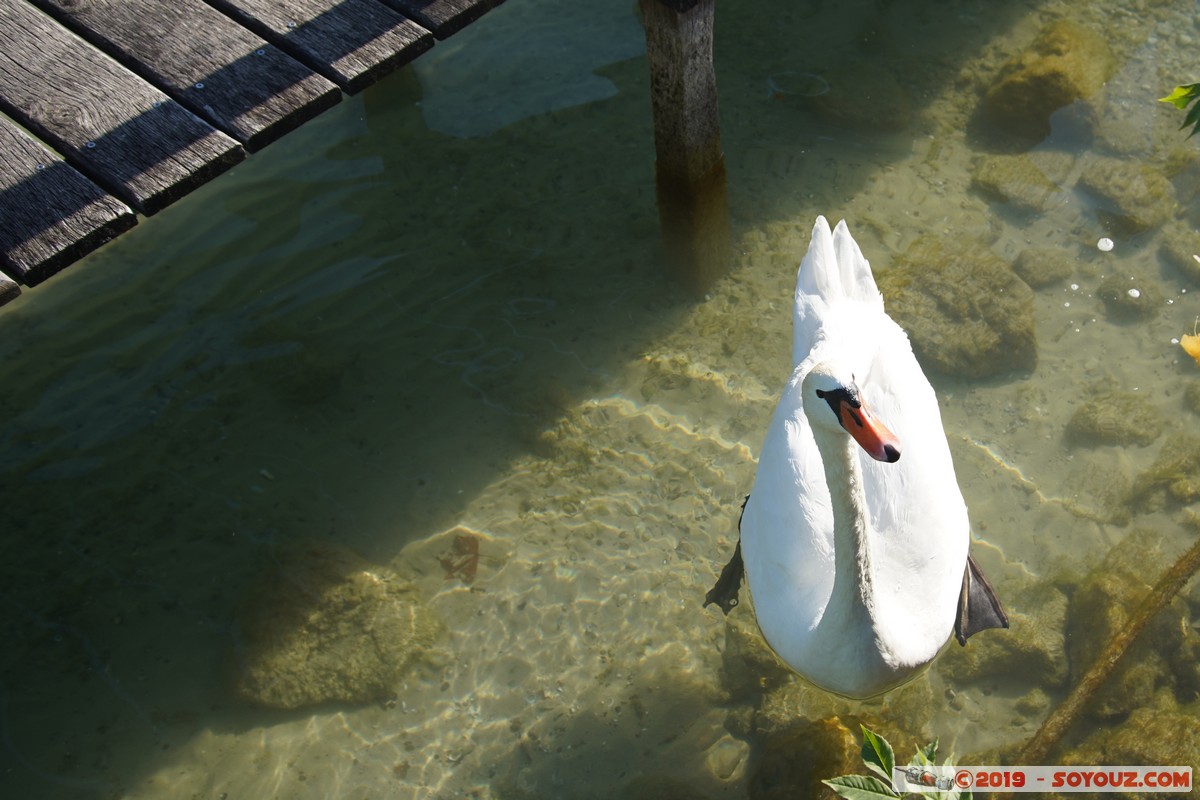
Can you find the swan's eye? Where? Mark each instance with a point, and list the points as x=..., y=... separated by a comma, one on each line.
x=842, y=399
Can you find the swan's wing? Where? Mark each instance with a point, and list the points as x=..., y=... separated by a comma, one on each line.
x=832, y=271
x=917, y=510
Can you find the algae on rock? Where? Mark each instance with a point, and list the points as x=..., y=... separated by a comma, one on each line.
x=1044, y=266
x=1179, y=248
x=1153, y=735
x=1191, y=396
x=323, y=625
x=1106, y=487
x=1031, y=651
x=794, y=762
x=1134, y=197
x=965, y=310
x=1115, y=417
x=1101, y=607
x=1065, y=63
x=1173, y=478
x=1015, y=180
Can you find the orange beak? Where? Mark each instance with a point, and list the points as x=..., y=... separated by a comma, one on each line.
x=871, y=434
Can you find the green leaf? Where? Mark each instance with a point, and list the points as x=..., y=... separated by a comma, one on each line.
x=1182, y=95
x=1193, y=119
x=860, y=787
x=928, y=753
x=877, y=754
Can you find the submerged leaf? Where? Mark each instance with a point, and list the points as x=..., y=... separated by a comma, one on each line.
x=860, y=787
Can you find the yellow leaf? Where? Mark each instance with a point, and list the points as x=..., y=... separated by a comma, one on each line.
x=1191, y=345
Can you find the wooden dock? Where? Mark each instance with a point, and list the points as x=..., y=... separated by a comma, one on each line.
x=114, y=108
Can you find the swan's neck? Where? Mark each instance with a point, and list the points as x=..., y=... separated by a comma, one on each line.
x=852, y=595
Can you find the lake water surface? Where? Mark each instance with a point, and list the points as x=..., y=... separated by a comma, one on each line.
x=435, y=320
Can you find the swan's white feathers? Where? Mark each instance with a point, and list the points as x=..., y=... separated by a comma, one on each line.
x=833, y=271
x=915, y=503
x=915, y=509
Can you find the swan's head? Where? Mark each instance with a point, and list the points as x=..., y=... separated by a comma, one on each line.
x=833, y=401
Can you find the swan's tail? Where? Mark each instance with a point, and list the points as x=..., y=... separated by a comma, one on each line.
x=833, y=270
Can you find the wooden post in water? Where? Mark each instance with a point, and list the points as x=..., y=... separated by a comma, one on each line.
x=690, y=169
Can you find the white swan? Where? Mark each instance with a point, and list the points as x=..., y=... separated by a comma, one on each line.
x=856, y=557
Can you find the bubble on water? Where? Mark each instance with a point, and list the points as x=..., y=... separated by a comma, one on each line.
x=1105, y=244
x=1134, y=293
x=1074, y=287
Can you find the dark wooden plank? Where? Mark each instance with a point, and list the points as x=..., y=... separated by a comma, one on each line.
x=444, y=17
x=352, y=42
x=8, y=290
x=50, y=215
x=206, y=61
x=119, y=130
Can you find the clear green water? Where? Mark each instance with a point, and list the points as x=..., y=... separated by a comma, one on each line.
x=379, y=332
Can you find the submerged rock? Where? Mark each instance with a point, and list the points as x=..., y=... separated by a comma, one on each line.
x=1064, y=64
x=1166, y=736
x=1115, y=417
x=749, y=665
x=1179, y=247
x=1100, y=609
x=1016, y=181
x=1191, y=396
x=658, y=787
x=1173, y=478
x=1032, y=650
x=965, y=311
x=323, y=625
x=1127, y=300
x=1134, y=197
x=1044, y=266
x=1101, y=489
x=795, y=761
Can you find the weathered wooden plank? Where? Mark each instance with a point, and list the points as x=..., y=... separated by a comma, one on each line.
x=444, y=17
x=119, y=130
x=352, y=42
x=50, y=215
x=8, y=290
x=206, y=61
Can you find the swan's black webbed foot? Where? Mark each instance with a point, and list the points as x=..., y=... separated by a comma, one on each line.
x=725, y=591
x=978, y=606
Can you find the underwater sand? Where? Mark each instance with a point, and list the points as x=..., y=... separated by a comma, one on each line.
x=385, y=335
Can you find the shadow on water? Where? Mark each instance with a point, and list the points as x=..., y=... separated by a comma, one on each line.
x=348, y=337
